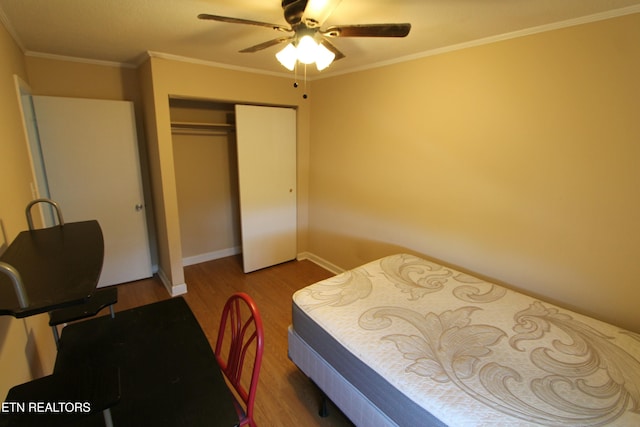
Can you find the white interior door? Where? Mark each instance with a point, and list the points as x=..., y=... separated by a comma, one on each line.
x=90, y=153
x=266, y=138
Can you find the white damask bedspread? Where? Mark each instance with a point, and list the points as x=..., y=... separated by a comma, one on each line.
x=473, y=353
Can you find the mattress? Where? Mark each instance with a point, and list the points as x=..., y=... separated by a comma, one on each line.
x=429, y=345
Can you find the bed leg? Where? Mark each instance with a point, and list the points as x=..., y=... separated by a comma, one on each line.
x=324, y=409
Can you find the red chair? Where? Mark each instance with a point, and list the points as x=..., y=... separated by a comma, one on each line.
x=240, y=341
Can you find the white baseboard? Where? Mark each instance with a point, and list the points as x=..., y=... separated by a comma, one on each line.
x=179, y=289
x=320, y=261
x=174, y=290
x=210, y=256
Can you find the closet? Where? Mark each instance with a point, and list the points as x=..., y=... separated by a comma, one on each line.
x=205, y=156
x=235, y=169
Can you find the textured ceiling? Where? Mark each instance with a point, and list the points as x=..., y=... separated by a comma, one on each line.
x=123, y=31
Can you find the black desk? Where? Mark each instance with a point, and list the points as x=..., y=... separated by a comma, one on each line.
x=168, y=372
x=60, y=266
x=62, y=400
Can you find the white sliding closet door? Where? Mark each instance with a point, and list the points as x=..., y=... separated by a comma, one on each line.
x=90, y=154
x=267, y=178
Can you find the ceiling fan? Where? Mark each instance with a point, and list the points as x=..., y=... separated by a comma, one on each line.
x=309, y=42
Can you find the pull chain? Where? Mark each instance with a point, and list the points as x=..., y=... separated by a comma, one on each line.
x=295, y=79
x=304, y=95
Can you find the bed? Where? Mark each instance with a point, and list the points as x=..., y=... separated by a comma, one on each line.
x=408, y=342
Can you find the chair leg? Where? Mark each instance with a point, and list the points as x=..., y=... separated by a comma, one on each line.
x=324, y=409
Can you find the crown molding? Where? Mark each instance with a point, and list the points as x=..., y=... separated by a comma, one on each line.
x=479, y=42
x=494, y=39
x=152, y=54
x=12, y=31
x=81, y=60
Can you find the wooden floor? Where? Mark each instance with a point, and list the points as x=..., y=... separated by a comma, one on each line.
x=285, y=396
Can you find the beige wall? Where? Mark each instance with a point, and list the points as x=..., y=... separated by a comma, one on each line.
x=26, y=345
x=57, y=77
x=516, y=160
x=165, y=78
x=207, y=192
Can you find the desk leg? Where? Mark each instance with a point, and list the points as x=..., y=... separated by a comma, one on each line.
x=108, y=422
x=56, y=337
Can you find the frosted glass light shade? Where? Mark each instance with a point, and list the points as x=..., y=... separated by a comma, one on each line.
x=288, y=56
x=324, y=57
x=307, y=48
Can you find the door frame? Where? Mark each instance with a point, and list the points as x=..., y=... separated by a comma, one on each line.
x=39, y=185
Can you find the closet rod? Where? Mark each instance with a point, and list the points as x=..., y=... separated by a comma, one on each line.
x=189, y=128
x=183, y=131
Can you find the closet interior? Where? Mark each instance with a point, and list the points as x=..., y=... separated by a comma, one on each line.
x=206, y=168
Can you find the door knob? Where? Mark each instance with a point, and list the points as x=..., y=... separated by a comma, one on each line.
x=139, y=207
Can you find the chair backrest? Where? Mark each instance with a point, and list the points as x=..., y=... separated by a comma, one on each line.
x=241, y=341
x=50, y=202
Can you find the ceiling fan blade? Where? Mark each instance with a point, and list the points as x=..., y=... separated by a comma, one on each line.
x=326, y=43
x=266, y=44
x=277, y=27
x=318, y=11
x=368, y=30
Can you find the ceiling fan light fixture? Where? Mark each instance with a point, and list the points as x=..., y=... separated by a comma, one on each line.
x=307, y=48
x=288, y=57
x=324, y=57
x=305, y=19
x=307, y=52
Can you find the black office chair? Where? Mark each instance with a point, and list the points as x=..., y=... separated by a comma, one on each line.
x=100, y=299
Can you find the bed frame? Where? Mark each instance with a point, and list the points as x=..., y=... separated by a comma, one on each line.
x=356, y=406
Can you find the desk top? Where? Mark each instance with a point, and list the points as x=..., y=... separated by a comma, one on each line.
x=62, y=400
x=168, y=372
x=59, y=266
